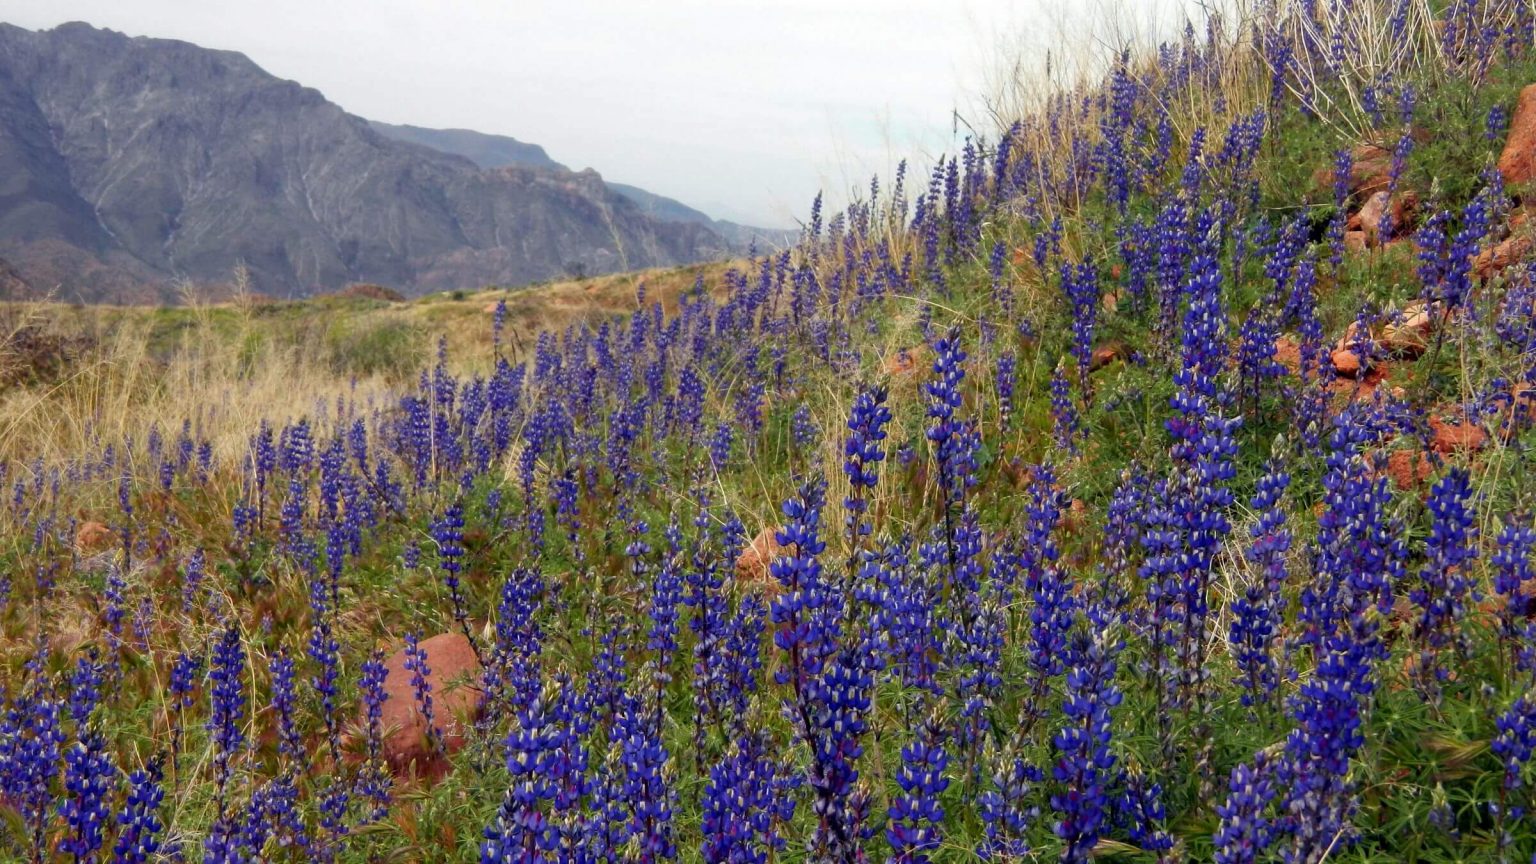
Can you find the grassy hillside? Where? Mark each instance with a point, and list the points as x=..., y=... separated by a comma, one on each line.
x=73, y=376
x=1130, y=488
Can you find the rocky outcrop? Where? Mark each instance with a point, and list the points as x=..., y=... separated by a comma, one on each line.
x=127, y=163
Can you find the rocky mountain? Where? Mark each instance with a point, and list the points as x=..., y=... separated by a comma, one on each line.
x=128, y=165
x=500, y=151
x=487, y=151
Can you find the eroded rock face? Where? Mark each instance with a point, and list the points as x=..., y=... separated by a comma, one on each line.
x=1518, y=161
x=456, y=689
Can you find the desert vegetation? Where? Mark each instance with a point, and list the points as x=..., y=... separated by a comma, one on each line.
x=1149, y=482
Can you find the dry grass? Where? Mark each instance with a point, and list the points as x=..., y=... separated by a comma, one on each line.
x=222, y=368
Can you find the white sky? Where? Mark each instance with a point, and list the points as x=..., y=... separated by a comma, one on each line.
x=741, y=109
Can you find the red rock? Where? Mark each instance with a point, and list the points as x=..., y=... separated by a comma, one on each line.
x=1402, y=207
x=1518, y=161
x=1351, y=336
x=1370, y=215
x=1409, y=469
x=1363, y=386
x=1510, y=251
x=455, y=678
x=1107, y=354
x=1521, y=413
x=1369, y=173
x=752, y=563
x=1410, y=337
x=905, y=361
x=93, y=537
x=1354, y=241
x=1288, y=354
x=1448, y=437
x=1018, y=473
x=1076, y=516
x=1346, y=363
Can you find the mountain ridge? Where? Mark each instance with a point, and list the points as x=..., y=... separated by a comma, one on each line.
x=489, y=151
x=136, y=164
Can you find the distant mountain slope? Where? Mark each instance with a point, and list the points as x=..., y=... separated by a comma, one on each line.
x=498, y=151
x=129, y=163
x=487, y=151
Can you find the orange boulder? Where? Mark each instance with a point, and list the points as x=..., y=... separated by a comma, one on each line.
x=454, y=679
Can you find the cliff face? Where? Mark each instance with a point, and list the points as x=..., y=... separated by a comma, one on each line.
x=128, y=164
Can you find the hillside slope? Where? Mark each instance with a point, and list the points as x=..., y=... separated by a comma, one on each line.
x=1157, y=489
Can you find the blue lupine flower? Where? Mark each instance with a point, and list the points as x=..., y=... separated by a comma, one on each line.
x=666, y=593
x=916, y=819
x=139, y=822
x=954, y=441
x=1245, y=831
x=863, y=453
x=448, y=533
x=1516, y=740
x=1445, y=585
x=522, y=831
x=284, y=703
x=1512, y=564
x=1257, y=614
x=1084, y=765
x=1140, y=808
x=802, y=428
x=226, y=673
x=1007, y=379
x=375, y=782
x=745, y=806
x=647, y=792
x=801, y=614
x=192, y=579
x=88, y=781
x=1315, y=770
x=421, y=687
x=1081, y=285
x=85, y=688
x=1063, y=412
x=1007, y=813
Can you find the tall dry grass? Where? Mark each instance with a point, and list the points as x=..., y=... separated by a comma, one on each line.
x=230, y=365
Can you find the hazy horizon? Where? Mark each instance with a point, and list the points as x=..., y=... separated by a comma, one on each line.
x=737, y=109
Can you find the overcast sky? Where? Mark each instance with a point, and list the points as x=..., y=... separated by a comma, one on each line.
x=741, y=108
